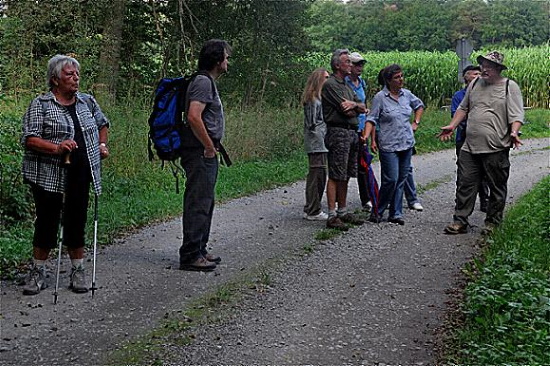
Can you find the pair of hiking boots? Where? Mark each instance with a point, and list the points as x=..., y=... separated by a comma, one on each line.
x=203, y=263
x=459, y=228
x=339, y=222
x=36, y=280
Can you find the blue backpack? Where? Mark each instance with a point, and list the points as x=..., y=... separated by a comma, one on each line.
x=168, y=132
x=166, y=123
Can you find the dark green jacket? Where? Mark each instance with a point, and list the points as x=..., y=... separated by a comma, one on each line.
x=335, y=90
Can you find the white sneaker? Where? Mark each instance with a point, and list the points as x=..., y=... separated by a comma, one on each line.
x=416, y=206
x=367, y=207
x=321, y=216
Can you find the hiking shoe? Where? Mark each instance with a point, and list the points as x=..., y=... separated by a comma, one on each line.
x=321, y=216
x=212, y=258
x=416, y=206
x=35, y=281
x=396, y=220
x=335, y=223
x=350, y=218
x=200, y=264
x=456, y=228
x=483, y=205
x=488, y=229
x=375, y=218
x=367, y=207
x=78, y=280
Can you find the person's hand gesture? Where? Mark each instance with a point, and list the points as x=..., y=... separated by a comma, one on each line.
x=446, y=133
x=516, y=142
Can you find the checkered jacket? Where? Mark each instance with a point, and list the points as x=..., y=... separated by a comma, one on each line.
x=47, y=119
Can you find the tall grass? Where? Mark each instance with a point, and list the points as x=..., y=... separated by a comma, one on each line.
x=508, y=303
x=265, y=145
x=432, y=76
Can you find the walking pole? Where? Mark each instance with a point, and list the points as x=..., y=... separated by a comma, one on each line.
x=65, y=164
x=95, y=245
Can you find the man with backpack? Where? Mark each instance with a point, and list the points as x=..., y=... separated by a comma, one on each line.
x=199, y=156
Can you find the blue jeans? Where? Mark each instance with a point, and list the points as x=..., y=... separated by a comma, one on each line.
x=410, y=189
x=395, y=170
x=198, y=202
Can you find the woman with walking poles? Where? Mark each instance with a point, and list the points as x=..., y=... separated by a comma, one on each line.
x=65, y=137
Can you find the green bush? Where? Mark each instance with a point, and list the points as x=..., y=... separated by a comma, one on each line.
x=508, y=305
x=16, y=204
x=14, y=199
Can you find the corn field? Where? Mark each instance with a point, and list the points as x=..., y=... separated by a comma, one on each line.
x=432, y=76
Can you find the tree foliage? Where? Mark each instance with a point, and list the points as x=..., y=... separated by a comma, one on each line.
x=431, y=25
x=125, y=46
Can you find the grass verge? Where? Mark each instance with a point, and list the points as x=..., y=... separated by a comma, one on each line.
x=507, y=303
x=178, y=328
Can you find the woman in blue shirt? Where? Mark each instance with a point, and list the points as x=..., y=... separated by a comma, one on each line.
x=391, y=112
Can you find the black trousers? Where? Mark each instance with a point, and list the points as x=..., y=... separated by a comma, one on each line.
x=198, y=202
x=473, y=168
x=48, y=212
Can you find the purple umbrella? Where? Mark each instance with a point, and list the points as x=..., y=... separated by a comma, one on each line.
x=365, y=162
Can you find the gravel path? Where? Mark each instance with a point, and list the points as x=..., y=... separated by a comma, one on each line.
x=373, y=295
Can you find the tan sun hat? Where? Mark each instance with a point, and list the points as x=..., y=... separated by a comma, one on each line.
x=494, y=57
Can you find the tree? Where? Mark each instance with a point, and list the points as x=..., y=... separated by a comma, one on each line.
x=109, y=57
x=385, y=25
x=517, y=23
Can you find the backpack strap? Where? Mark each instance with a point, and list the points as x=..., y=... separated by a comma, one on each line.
x=226, y=160
x=471, y=89
x=193, y=76
x=506, y=100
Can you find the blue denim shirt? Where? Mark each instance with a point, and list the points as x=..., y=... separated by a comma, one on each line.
x=461, y=128
x=361, y=92
x=392, y=119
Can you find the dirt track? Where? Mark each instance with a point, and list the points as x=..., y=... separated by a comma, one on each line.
x=373, y=295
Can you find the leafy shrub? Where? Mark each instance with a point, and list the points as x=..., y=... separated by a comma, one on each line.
x=508, y=305
x=16, y=205
x=15, y=202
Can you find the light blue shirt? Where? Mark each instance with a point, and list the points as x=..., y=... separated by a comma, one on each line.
x=360, y=91
x=392, y=119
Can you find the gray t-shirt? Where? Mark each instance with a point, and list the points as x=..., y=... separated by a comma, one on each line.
x=315, y=128
x=490, y=114
x=200, y=90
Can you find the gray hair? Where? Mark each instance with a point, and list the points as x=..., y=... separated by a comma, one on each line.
x=56, y=64
x=335, y=60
